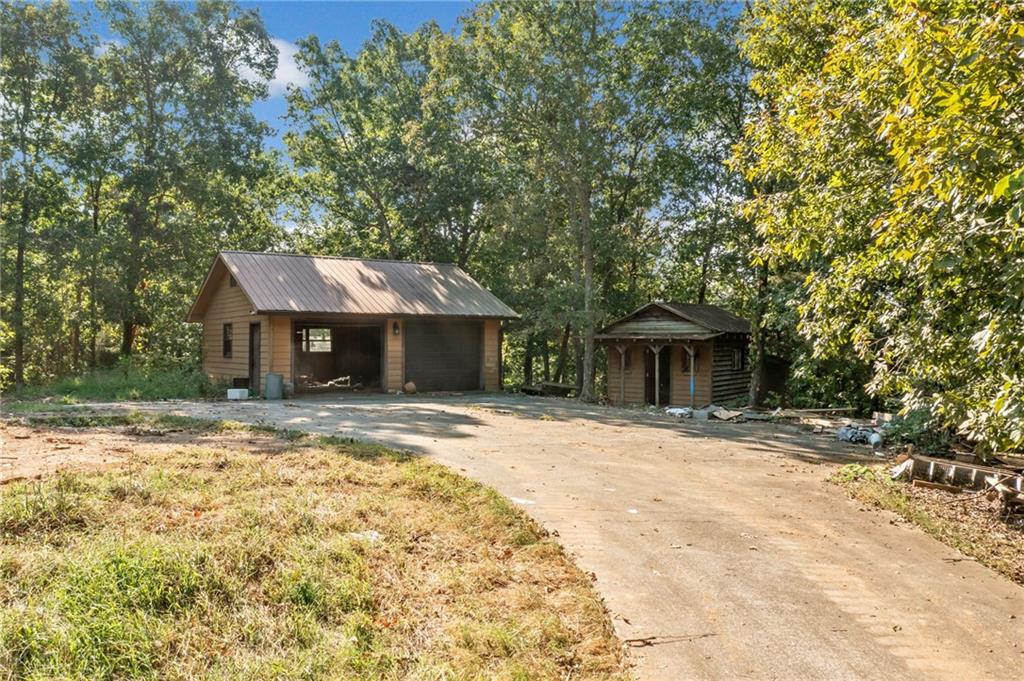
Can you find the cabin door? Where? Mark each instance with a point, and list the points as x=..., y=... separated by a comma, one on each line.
x=662, y=376
x=254, y=359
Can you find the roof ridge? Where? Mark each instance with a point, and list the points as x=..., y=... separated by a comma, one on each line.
x=343, y=257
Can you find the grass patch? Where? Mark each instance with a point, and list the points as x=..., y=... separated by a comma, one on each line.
x=967, y=522
x=326, y=559
x=127, y=382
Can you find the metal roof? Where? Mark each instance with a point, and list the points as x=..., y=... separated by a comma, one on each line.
x=686, y=322
x=710, y=316
x=308, y=284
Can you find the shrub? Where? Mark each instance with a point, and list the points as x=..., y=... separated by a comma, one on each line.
x=920, y=429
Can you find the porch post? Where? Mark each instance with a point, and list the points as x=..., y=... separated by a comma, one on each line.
x=657, y=374
x=622, y=373
x=693, y=382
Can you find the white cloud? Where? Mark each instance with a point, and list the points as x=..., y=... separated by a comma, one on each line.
x=287, y=72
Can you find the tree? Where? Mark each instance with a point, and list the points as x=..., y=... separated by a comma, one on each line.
x=41, y=66
x=545, y=76
x=386, y=156
x=184, y=128
x=892, y=142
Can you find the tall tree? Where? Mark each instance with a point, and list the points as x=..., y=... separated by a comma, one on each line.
x=386, y=157
x=545, y=75
x=184, y=126
x=41, y=65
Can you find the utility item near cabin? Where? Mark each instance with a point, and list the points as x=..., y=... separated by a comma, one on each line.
x=677, y=353
x=330, y=323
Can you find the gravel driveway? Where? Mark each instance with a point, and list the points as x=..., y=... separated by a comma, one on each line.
x=719, y=549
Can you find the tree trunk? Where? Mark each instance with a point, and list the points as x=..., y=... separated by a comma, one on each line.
x=528, y=362
x=76, y=331
x=702, y=291
x=94, y=323
x=546, y=354
x=578, y=352
x=19, y=292
x=587, y=382
x=127, y=337
x=757, y=366
x=563, y=354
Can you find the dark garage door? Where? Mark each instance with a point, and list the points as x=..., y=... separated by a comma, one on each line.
x=443, y=355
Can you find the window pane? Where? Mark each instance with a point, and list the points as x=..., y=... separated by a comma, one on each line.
x=226, y=345
x=316, y=340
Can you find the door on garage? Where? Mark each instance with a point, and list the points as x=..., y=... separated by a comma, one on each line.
x=443, y=355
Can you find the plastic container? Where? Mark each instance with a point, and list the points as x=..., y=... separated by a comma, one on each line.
x=238, y=393
x=273, y=389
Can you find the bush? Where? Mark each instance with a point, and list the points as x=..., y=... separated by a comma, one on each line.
x=921, y=429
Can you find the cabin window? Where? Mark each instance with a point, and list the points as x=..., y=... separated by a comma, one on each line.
x=231, y=281
x=227, y=340
x=738, y=359
x=316, y=340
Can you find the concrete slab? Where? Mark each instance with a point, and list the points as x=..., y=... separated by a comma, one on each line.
x=718, y=547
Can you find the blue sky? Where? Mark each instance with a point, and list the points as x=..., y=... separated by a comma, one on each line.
x=346, y=22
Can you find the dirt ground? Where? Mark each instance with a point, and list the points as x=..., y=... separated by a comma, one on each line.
x=970, y=521
x=28, y=452
x=721, y=549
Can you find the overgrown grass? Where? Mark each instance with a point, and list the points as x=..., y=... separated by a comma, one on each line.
x=127, y=382
x=211, y=562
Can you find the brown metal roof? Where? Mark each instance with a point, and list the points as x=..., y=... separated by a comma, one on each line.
x=683, y=321
x=710, y=316
x=290, y=283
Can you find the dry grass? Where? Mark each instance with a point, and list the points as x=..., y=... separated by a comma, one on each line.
x=968, y=522
x=311, y=559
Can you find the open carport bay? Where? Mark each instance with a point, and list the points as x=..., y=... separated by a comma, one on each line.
x=719, y=548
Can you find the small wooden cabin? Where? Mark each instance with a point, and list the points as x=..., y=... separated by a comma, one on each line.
x=677, y=353
x=328, y=323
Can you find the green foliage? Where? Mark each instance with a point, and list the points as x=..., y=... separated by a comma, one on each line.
x=888, y=153
x=923, y=430
x=854, y=472
x=131, y=380
x=127, y=164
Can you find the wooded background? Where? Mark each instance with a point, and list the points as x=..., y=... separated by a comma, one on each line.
x=848, y=176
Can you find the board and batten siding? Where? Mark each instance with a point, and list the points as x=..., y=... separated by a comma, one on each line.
x=679, y=381
x=679, y=388
x=394, y=356
x=491, y=366
x=281, y=344
x=634, y=377
x=229, y=305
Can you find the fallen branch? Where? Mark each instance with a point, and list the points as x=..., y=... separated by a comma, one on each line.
x=659, y=640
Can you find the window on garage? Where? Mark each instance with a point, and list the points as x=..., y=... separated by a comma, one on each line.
x=316, y=340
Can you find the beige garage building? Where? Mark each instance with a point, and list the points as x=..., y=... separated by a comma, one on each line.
x=677, y=353
x=330, y=323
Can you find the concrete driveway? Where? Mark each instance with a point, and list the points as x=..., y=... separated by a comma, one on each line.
x=719, y=549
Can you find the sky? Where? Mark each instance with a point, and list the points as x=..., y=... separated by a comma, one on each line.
x=347, y=22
